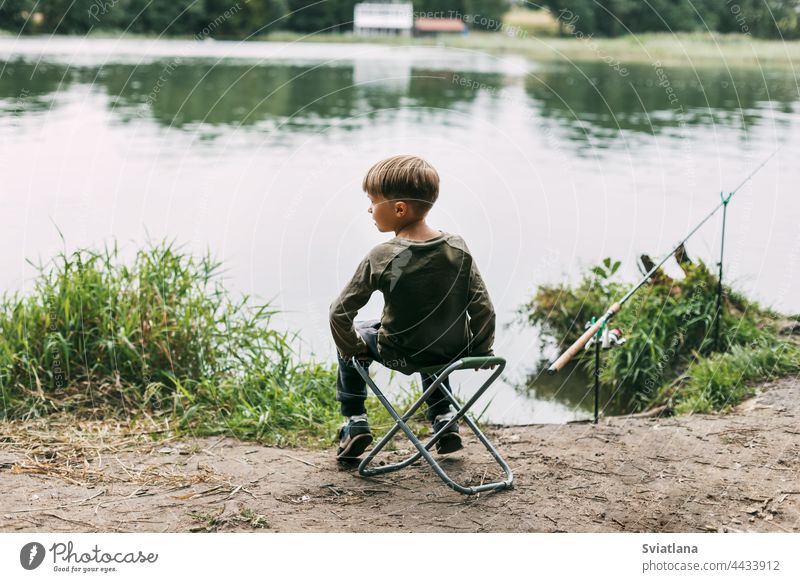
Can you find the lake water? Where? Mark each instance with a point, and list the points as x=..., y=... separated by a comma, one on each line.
x=257, y=151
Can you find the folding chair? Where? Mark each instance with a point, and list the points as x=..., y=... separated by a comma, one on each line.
x=439, y=373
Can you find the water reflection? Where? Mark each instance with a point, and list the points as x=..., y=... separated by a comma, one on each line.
x=25, y=88
x=589, y=100
x=180, y=94
x=573, y=386
x=593, y=100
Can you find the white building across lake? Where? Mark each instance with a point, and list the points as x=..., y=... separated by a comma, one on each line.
x=383, y=18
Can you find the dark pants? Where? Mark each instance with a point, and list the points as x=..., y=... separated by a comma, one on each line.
x=351, y=390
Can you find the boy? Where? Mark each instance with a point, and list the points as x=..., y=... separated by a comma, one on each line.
x=436, y=307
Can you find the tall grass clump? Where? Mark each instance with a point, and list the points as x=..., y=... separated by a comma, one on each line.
x=670, y=356
x=724, y=379
x=159, y=336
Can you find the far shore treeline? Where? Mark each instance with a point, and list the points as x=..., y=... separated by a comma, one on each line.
x=238, y=19
x=220, y=18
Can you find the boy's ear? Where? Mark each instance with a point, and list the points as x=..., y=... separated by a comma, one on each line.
x=401, y=207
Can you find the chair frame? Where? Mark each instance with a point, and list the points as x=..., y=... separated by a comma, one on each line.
x=440, y=373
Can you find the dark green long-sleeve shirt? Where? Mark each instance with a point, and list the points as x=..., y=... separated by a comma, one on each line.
x=436, y=306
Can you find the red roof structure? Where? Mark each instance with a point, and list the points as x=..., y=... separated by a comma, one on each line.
x=439, y=25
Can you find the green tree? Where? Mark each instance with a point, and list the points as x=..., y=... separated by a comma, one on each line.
x=490, y=11
x=762, y=18
x=573, y=15
x=246, y=19
x=167, y=16
x=315, y=16
x=66, y=16
x=14, y=15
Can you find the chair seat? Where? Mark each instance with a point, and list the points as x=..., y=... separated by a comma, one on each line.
x=466, y=363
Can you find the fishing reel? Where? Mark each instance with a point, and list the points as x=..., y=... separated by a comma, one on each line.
x=608, y=338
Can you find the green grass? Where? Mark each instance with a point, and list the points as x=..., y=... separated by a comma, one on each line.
x=722, y=380
x=160, y=337
x=684, y=49
x=670, y=356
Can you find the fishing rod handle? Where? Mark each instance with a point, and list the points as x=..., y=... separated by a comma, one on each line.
x=576, y=347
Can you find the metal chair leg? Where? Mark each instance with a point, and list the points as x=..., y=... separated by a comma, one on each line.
x=423, y=449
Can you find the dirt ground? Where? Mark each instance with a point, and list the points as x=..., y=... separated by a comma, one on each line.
x=731, y=472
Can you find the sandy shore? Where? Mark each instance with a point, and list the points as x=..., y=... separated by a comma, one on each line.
x=731, y=472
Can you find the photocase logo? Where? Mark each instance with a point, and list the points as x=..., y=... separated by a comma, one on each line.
x=31, y=555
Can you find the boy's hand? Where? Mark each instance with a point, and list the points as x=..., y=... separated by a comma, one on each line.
x=364, y=359
x=487, y=366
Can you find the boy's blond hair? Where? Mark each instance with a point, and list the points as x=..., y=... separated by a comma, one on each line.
x=404, y=177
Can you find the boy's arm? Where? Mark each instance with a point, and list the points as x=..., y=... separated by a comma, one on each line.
x=343, y=310
x=481, y=315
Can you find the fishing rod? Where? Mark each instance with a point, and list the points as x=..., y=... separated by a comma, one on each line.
x=579, y=344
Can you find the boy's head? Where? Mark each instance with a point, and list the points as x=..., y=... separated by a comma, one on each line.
x=401, y=189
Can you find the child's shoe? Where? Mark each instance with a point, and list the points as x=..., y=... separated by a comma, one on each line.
x=354, y=438
x=450, y=441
